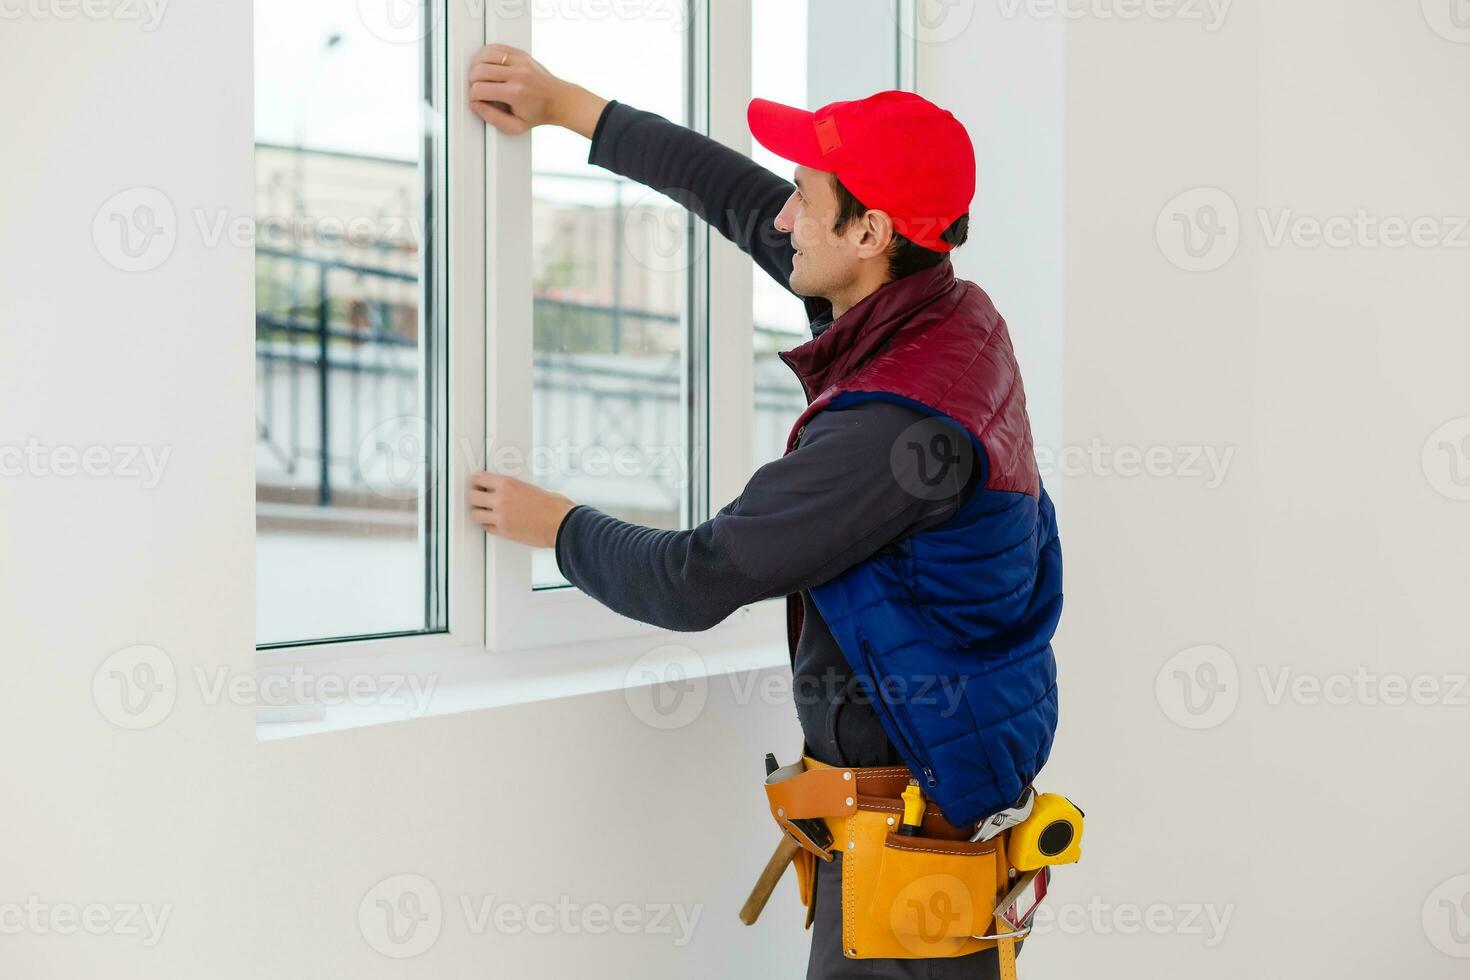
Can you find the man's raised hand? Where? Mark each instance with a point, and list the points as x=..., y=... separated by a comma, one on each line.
x=513, y=92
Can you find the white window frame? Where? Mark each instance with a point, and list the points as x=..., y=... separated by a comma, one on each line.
x=495, y=613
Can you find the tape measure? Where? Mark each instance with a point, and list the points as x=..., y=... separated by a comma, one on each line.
x=1052, y=834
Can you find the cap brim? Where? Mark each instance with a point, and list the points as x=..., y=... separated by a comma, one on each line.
x=788, y=132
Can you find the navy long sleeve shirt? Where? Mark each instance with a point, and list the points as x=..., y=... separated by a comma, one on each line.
x=835, y=500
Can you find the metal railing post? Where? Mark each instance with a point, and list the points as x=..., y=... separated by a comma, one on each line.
x=617, y=269
x=323, y=317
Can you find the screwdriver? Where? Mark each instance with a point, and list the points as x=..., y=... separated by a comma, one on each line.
x=913, y=810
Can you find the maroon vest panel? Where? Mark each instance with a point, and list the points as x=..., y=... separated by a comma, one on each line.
x=937, y=341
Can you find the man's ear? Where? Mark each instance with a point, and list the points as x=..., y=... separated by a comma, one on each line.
x=877, y=234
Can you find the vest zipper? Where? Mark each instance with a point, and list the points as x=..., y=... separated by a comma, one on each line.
x=929, y=778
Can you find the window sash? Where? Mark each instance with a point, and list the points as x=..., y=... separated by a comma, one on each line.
x=519, y=615
x=454, y=375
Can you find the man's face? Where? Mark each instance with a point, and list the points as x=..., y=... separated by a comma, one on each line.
x=826, y=262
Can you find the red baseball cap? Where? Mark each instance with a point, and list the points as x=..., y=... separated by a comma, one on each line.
x=896, y=151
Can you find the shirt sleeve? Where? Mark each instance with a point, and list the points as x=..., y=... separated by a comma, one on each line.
x=849, y=488
x=737, y=196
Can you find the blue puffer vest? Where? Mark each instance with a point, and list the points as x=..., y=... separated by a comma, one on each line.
x=951, y=627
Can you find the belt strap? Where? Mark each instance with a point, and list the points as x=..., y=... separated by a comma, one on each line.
x=1006, y=951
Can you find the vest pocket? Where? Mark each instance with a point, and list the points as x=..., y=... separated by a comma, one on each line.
x=881, y=705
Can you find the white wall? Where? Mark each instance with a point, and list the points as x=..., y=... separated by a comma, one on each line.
x=1329, y=830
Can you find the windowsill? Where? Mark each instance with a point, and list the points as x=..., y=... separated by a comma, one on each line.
x=380, y=689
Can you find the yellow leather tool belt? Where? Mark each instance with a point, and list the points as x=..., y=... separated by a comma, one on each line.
x=923, y=897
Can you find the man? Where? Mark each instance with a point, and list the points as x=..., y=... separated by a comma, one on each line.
x=906, y=523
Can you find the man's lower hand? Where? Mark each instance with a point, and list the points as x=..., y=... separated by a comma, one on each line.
x=516, y=510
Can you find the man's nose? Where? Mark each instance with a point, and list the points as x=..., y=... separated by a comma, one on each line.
x=783, y=220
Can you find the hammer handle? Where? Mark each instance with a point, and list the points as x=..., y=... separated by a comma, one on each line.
x=766, y=883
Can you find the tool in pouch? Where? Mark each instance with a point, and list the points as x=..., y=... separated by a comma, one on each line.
x=913, y=885
x=812, y=834
x=798, y=845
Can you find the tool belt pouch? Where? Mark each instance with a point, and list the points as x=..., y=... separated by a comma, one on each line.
x=917, y=897
x=801, y=797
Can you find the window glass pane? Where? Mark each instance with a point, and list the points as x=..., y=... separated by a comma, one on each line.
x=863, y=35
x=349, y=335
x=612, y=266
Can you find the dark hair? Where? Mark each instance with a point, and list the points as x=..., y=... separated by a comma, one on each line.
x=904, y=257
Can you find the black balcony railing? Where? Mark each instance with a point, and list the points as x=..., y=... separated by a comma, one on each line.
x=337, y=351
